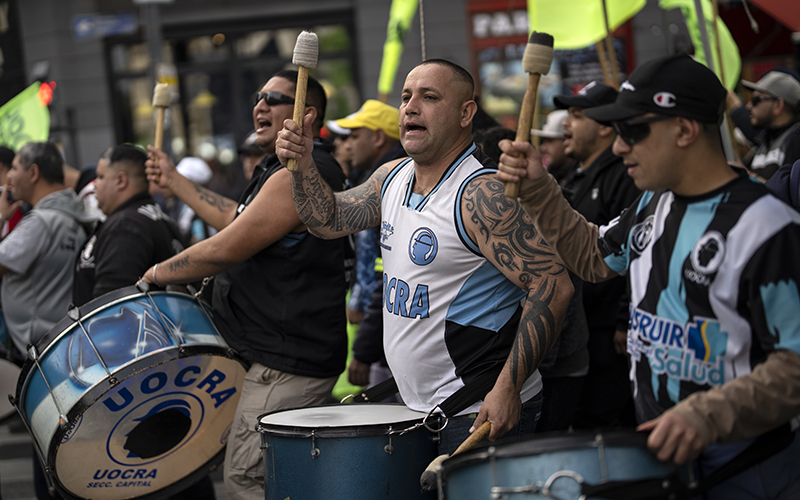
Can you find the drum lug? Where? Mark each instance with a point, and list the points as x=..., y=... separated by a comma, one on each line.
x=314, y=449
x=389, y=448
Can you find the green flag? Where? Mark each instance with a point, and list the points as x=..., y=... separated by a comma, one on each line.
x=24, y=119
x=731, y=60
x=400, y=17
x=576, y=24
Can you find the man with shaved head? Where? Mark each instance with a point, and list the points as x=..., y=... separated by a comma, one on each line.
x=472, y=295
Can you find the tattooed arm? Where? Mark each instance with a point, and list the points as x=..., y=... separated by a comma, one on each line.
x=506, y=237
x=216, y=210
x=268, y=218
x=328, y=214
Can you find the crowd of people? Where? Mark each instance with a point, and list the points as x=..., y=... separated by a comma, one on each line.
x=636, y=282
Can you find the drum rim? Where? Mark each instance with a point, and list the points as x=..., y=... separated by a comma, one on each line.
x=87, y=311
x=366, y=430
x=545, y=443
x=95, y=393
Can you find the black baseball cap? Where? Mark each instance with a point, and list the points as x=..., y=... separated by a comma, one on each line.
x=670, y=86
x=594, y=94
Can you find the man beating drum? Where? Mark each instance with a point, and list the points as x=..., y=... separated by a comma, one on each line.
x=458, y=258
x=279, y=297
x=711, y=262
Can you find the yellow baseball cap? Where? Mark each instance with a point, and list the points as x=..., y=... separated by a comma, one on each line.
x=374, y=115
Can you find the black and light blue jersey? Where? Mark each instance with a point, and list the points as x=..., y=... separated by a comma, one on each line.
x=713, y=283
x=449, y=314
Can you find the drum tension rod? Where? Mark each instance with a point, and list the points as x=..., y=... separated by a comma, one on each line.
x=63, y=422
x=74, y=313
x=314, y=449
x=389, y=448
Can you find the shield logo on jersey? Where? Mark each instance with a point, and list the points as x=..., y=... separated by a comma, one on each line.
x=641, y=234
x=423, y=246
x=708, y=253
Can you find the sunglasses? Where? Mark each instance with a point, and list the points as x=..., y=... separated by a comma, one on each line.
x=273, y=98
x=636, y=130
x=756, y=99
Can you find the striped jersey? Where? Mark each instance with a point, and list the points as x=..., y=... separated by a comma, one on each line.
x=713, y=282
x=449, y=315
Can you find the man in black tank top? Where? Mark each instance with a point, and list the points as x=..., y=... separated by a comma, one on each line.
x=279, y=296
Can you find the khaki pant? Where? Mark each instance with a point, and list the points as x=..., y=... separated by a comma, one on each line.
x=265, y=390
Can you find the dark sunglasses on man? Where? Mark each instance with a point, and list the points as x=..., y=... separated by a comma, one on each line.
x=757, y=99
x=637, y=129
x=273, y=98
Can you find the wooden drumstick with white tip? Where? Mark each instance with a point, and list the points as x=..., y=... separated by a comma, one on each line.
x=428, y=478
x=536, y=62
x=161, y=103
x=306, y=52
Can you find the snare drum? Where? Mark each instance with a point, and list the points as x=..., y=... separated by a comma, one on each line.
x=563, y=466
x=132, y=395
x=342, y=452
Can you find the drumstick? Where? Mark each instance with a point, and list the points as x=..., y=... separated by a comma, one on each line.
x=536, y=62
x=428, y=477
x=306, y=51
x=161, y=103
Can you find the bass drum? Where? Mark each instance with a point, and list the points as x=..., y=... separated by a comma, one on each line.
x=131, y=396
x=566, y=466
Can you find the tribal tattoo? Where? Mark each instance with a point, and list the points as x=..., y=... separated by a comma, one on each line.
x=326, y=212
x=207, y=196
x=502, y=225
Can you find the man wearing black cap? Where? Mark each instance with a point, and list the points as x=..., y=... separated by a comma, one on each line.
x=710, y=258
x=599, y=188
x=774, y=108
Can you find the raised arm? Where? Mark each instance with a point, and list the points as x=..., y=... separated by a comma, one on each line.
x=216, y=210
x=572, y=237
x=328, y=214
x=507, y=238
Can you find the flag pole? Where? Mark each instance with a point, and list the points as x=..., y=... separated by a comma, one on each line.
x=601, y=56
x=727, y=142
x=612, y=56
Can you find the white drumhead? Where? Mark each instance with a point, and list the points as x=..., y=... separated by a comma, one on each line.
x=9, y=373
x=349, y=415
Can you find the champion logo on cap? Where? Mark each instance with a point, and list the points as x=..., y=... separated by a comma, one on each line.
x=665, y=99
x=626, y=85
x=585, y=89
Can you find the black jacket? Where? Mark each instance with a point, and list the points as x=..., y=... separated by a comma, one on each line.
x=284, y=307
x=601, y=193
x=135, y=236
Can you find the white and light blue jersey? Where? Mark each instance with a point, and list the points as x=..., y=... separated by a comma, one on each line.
x=449, y=314
x=714, y=287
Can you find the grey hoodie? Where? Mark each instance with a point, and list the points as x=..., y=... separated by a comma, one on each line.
x=40, y=254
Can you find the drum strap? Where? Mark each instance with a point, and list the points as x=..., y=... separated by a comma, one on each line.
x=473, y=391
x=762, y=448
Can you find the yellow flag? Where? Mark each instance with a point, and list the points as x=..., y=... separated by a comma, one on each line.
x=400, y=17
x=576, y=24
x=731, y=60
x=24, y=119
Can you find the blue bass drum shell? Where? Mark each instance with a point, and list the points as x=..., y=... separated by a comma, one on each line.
x=131, y=370
x=533, y=460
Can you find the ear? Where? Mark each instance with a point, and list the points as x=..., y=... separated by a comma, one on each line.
x=606, y=131
x=687, y=131
x=468, y=110
x=780, y=105
x=34, y=172
x=313, y=111
x=121, y=180
x=378, y=137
